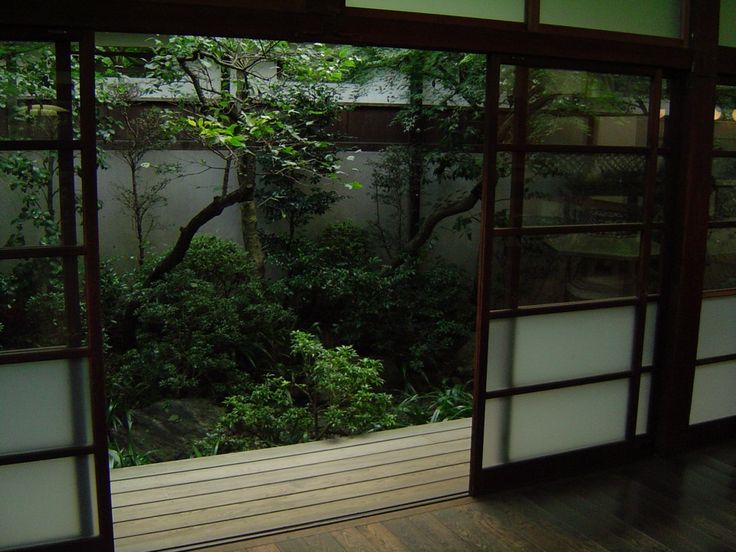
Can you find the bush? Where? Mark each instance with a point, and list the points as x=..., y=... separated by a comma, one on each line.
x=204, y=329
x=32, y=305
x=448, y=402
x=414, y=316
x=329, y=392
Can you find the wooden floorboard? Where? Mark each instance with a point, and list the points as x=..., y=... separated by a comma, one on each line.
x=382, y=500
x=185, y=504
x=673, y=504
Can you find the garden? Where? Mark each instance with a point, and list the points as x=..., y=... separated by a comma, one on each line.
x=289, y=232
x=262, y=313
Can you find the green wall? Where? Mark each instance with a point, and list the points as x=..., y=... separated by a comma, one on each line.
x=646, y=17
x=504, y=10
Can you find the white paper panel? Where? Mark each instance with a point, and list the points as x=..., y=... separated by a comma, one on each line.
x=44, y=405
x=493, y=430
x=553, y=347
x=642, y=415
x=551, y=422
x=41, y=502
x=714, y=392
x=717, y=327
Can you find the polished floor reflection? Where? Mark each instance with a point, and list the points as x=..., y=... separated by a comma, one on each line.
x=685, y=503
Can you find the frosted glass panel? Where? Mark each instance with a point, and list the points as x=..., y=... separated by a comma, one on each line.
x=714, y=392
x=41, y=502
x=642, y=415
x=551, y=422
x=496, y=420
x=717, y=327
x=552, y=347
x=727, y=34
x=44, y=405
x=503, y=10
x=647, y=357
x=652, y=17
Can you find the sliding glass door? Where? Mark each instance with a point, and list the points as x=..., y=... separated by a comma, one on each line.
x=570, y=273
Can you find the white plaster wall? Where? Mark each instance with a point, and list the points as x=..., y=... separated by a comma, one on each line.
x=184, y=198
x=189, y=194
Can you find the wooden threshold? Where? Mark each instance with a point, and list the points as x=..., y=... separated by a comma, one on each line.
x=190, y=504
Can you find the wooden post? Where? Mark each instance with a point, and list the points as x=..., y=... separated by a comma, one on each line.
x=693, y=99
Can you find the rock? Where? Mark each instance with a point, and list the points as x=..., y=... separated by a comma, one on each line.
x=166, y=430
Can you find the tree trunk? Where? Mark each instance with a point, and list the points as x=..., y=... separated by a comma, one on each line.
x=137, y=214
x=248, y=214
x=416, y=157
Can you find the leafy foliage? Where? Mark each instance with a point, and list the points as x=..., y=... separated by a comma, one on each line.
x=412, y=316
x=32, y=305
x=204, y=328
x=447, y=402
x=329, y=392
x=31, y=181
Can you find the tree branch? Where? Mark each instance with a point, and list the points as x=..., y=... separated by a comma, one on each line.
x=442, y=212
x=186, y=233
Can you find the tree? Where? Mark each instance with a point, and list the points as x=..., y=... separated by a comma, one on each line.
x=442, y=118
x=140, y=132
x=261, y=106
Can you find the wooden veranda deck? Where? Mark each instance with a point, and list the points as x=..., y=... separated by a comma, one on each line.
x=189, y=504
x=685, y=503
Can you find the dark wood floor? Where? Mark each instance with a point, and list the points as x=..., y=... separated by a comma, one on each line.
x=685, y=503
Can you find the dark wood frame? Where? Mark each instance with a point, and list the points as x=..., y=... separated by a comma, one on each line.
x=94, y=455
x=692, y=63
x=484, y=479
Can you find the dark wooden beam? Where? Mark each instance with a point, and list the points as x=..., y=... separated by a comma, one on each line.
x=686, y=234
x=328, y=21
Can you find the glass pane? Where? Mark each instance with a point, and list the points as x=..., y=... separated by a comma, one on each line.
x=583, y=189
x=44, y=405
x=578, y=267
x=665, y=121
x=727, y=31
x=552, y=422
x=47, y=501
x=500, y=286
x=724, y=127
x=583, y=108
x=29, y=199
x=653, y=17
x=713, y=392
x=665, y=176
x=507, y=104
x=717, y=334
x=504, y=10
x=527, y=350
x=720, y=260
x=642, y=415
x=29, y=107
x=654, y=275
x=502, y=199
x=723, y=197
x=32, y=309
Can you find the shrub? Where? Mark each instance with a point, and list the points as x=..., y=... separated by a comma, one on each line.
x=328, y=392
x=414, y=316
x=32, y=305
x=205, y=328
x=448, y=402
